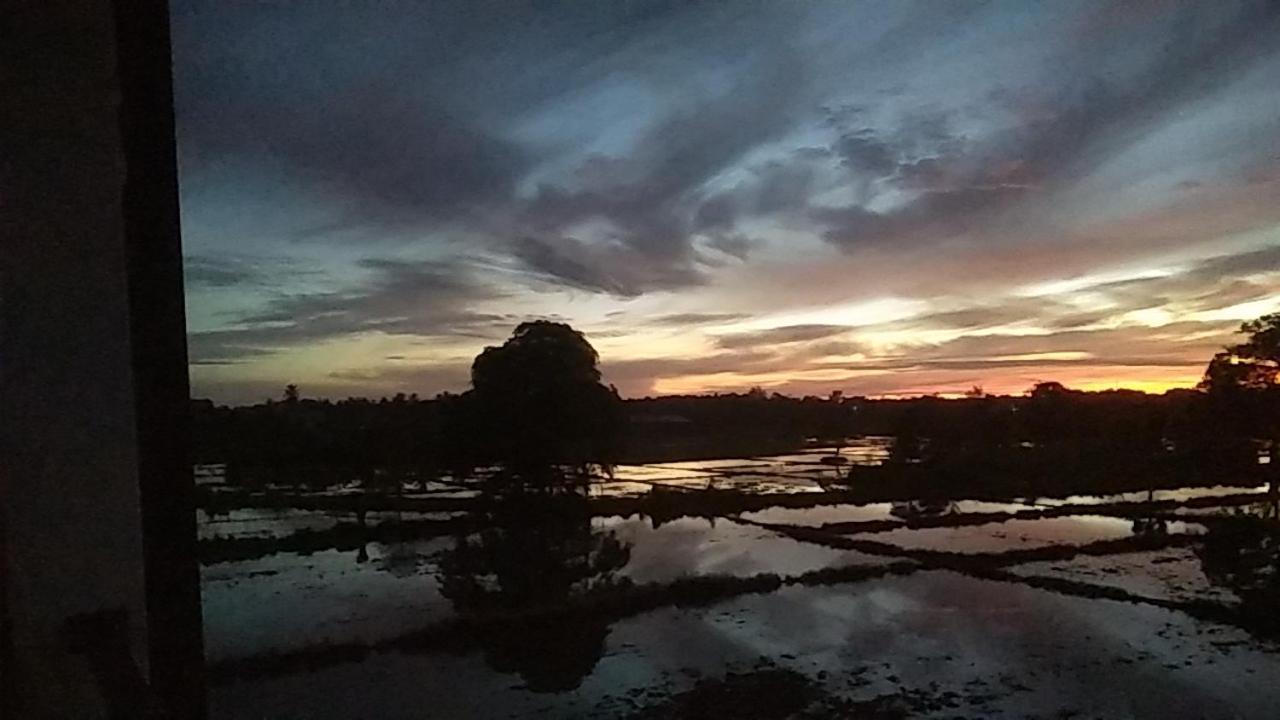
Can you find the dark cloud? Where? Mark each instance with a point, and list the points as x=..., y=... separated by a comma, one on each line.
x=681, y=319
x=652, y=204
x=565, y=264
x=1063, y=132
x=780, y=335
x=636, y=377
x=212, y=349
x=241, y=271
x=864, y=153
x=405, y=298
x=778, y=188
x=1208, y=284
x=399, y=116
x=380, y=156
x=610, y=268
x=753, y=157
x=733, y=245
x=214, y=272
x=1170, y=344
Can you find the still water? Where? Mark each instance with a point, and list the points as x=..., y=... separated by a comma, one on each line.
x=470, y=621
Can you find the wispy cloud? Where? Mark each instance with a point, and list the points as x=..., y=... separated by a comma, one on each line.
x=749, y=178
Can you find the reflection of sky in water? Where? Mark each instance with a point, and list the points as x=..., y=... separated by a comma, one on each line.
x=1170, y=574
x=752, y=484
x=802, y=471
x=822, y=514
x=1096, y=657
x=1175, y=495
x=761, y=478
x=696, y=546
x=277, y=522
x=1267, y=510
x=1099, y=657
x=287, y=601
x=1016, y=534
x=843, y=513
x=263, y=522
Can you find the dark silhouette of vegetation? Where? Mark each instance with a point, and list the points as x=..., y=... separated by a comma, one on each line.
x=1055, y=436
x=537, y=402
x=1251, y=365
x=320, y=443
x=1243, y=555
x=1242, y=394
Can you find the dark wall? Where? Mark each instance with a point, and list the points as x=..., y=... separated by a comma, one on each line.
x=72, y=462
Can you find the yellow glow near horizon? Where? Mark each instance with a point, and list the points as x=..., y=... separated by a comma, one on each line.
x=739, y=382
x=1243, y=311
x=1057, y=355
x=853, y=315
x=1154, y=386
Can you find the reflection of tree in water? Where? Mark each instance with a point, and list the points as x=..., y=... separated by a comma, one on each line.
x=917, y=509
x=1244, y=556
x=538, y=551
x=1150, y=527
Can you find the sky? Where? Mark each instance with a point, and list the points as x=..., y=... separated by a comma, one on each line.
x=882, y=198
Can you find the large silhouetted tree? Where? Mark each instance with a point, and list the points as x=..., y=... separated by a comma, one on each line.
x=537, y=401
x=1251, y=365
x=1241, y=383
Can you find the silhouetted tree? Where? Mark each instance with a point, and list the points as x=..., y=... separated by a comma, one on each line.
x=291, y=393
x=537, y=401
x=908, y=447
x=1047, y=411
x=1250, y=365
x=1243, y=394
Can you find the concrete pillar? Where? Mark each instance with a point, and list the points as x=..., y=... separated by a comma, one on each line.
x=88, y=235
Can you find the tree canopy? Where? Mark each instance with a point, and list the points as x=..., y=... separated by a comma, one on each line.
x=537, y=400
x=1250, y=365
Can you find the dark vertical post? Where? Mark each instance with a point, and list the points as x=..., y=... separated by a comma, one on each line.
x=159, y=355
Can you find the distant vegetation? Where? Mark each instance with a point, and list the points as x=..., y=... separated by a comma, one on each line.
x=537, y=401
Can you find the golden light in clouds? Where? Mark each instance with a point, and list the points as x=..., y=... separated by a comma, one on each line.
x=734, y=218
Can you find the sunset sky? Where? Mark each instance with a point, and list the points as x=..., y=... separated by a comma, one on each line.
x=880, y=198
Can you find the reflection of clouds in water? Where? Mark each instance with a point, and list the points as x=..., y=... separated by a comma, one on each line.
x=941, y=627
x=287, y=601
x=402, y=560
x=1017, y=534
x=697, y=546
x=1169, y=574
x=1175, y=495
x=935, y=626
x=931, y=627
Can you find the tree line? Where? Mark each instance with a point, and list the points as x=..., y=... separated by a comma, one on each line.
x=538, y=401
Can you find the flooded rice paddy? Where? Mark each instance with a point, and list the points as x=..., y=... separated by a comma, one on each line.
x=1077, y=607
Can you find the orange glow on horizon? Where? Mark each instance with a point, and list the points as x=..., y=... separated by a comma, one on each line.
x=853, y=383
